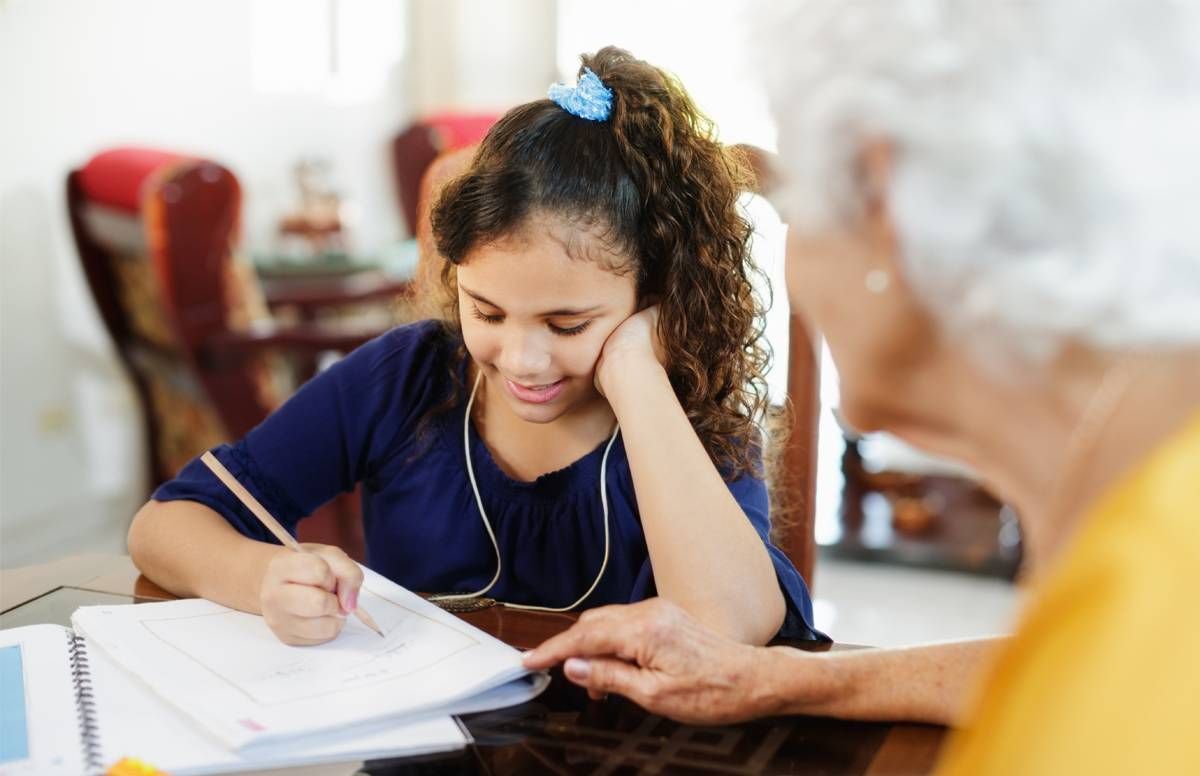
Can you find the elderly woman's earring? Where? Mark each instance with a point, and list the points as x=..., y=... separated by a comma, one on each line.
x=878, y=281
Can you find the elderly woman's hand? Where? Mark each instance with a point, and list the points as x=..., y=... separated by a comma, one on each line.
x=655, y=654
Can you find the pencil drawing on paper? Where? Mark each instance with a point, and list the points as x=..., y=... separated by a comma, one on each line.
x=271, y=673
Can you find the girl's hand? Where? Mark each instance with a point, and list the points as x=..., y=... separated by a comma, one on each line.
x=634, y=342
x=305, y=596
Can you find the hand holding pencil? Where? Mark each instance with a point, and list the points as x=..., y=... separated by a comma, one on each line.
x=305, y=595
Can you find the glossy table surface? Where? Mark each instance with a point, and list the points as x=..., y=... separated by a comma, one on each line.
x=561, y=731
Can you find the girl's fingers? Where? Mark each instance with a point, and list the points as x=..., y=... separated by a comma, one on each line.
x=347, y=573
x=300, y=600
x=315, y=630
x=309, y=568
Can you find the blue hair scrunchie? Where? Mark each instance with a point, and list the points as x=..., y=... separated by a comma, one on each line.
x=589, y=99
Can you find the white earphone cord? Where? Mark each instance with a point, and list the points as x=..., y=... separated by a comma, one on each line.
x=491, y=534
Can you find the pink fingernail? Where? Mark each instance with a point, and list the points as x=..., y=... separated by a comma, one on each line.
x=352, y=601
x=577, y=669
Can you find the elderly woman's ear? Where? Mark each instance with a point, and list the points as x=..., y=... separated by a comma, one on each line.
x=876, y=160
x=874, y=170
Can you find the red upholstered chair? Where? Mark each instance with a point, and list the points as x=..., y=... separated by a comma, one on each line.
x=157, y=234
x=414, y=149
x=428, y=292
x=793, y=479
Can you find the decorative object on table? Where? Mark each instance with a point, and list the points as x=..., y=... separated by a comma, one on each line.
x=316, y=228
x=461, y=605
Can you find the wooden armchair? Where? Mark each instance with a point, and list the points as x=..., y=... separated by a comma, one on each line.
x=414, y=149
x=157, y=235
x=793, y=481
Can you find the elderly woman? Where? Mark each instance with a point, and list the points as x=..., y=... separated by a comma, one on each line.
x=993, y=210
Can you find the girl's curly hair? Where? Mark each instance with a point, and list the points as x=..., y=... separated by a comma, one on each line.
x=656, y=186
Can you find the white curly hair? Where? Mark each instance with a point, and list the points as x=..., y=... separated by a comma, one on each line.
x=1046, y=179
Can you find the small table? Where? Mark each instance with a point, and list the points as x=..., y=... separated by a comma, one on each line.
x=561, y=731
x=307, y=290
x=338, y=279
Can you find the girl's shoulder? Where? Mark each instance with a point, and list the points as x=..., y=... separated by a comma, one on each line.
x=399, y=376
x=413, y=350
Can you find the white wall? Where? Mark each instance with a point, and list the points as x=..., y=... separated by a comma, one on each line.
x=488, y=55
x=77, y=76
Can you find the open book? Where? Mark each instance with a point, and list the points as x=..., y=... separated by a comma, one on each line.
x=229, y=673
x=69, y=710
x=227, y=691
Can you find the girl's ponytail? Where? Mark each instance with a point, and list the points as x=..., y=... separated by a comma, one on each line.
x=694, y=246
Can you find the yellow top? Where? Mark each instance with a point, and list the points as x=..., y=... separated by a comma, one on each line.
x=1103, y=675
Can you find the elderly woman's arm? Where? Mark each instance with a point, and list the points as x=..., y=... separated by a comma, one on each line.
x=926, y=683
x=662, y=659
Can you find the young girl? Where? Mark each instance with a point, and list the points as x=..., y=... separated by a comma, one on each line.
x=579, y=431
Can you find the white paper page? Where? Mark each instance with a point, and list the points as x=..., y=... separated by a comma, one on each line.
x=134, y=722
x=508, y=694
x=245, y=686
x=42, y=734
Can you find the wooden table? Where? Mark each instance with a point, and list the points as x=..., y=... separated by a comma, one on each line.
x=560, y=732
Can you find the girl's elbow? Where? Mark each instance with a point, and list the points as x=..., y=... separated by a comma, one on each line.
x=754, y=624
x=137, y=540
x=761, y=616
x=770, y=619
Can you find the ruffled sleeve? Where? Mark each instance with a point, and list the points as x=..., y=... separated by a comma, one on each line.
x=333, y=433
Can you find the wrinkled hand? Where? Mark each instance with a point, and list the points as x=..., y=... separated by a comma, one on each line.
x=305, y=596
x=635, y=341
x=656, y=655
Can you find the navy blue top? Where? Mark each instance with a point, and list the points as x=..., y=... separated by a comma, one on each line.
x=360, y=421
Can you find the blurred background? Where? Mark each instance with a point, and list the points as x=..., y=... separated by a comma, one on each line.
x=310, y=123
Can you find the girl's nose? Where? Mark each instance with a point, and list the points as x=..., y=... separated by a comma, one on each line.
x=525, y=357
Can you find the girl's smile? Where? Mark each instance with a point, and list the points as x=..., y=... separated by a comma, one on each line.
x=536, y=394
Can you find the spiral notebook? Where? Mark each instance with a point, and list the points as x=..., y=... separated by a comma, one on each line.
x=67, y=708
x=247, y=689
x=191, y=686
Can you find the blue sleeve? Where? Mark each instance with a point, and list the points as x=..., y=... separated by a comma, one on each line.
x=751, y=495
x=330, y=435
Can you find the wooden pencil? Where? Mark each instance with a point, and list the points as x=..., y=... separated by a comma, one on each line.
x=271, y=524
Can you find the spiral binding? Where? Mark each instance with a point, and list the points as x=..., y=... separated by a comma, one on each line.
x=85, y=703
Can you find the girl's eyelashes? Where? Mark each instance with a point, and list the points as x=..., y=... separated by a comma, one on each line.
x=569, y=331
x=481, y=315
x=565, y=331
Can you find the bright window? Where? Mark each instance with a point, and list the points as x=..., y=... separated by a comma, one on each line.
x=343, y=49
x=706, y=45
